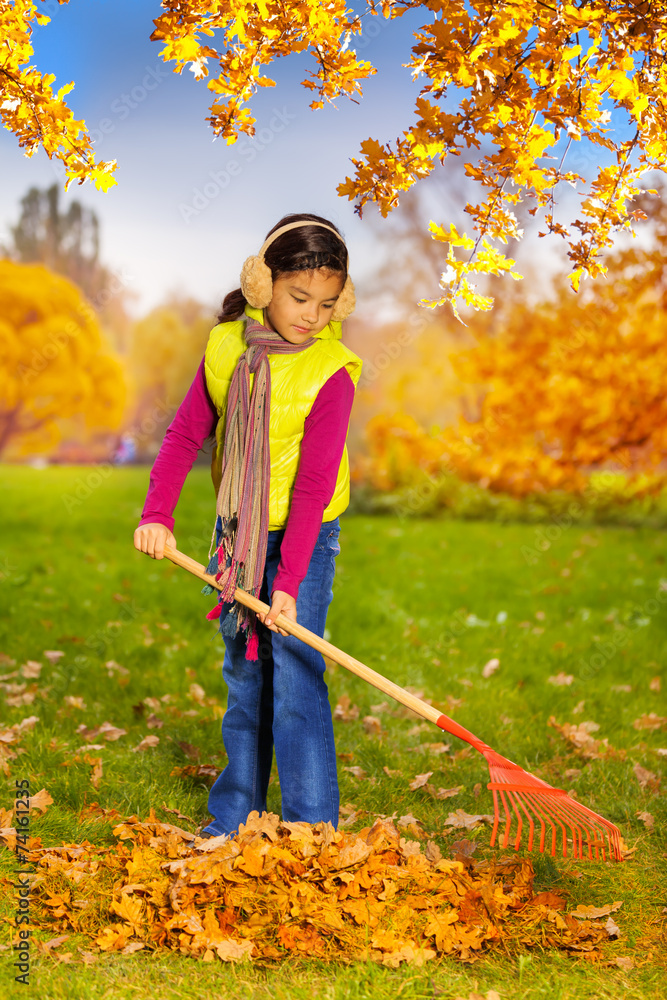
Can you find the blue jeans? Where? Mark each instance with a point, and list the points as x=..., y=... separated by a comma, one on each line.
x=281, y=702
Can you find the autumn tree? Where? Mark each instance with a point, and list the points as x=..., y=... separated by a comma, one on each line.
x=166, y=347
x=54, y=363
x=554, y=391
x=67, y=242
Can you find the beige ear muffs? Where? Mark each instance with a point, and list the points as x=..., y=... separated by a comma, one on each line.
x=257, y=283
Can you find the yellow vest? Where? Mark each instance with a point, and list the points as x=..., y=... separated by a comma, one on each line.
x=296, y=380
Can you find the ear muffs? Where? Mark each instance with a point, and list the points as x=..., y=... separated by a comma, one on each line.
x=345, y=302
x=257, y=283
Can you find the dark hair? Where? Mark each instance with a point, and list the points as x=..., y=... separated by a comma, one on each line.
x=303, y=249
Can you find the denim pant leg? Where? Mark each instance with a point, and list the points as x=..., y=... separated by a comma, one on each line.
x=247, y=737
x=246, y=729
x=302, y=723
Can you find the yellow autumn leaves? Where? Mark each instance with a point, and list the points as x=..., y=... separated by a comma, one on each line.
x=55, y=365
x=280, y=889
x=524, y=91
x=30, y=109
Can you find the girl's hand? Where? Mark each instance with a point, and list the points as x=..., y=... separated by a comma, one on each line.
x=280, y=602
x=152, y=538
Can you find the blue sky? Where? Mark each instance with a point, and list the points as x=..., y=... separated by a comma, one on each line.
x=187, y=210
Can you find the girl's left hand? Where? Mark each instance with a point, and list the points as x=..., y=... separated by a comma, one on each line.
x=280, y=602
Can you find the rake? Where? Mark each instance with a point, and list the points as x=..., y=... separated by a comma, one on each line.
x=518, y=797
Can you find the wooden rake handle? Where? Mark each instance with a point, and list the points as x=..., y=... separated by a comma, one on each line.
x=387, y=687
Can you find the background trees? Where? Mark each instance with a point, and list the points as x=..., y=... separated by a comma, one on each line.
x=55, y=365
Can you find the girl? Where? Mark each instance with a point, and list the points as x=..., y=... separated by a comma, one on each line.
x=276, y=387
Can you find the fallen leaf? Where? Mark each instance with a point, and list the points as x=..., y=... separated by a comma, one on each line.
x=148, y=741
x=53, y=655
x=624, y=963
x=578, y=708
x=356, y=772
x=490, y=667
x=650, y=721
x=73, y=701
x=111, y=732
x=593, y=912
x=560, y=679
x=647, y=819
x=408, y=820
x=621, y=688
x=466, y=848
x=31, y=669
x=612, y=928
x=448, y=793
x=433, y=852
x=197, y=693
x=419, y=781
x=646, y=778
x=372, y=725
x=654, y=684
x=344, y=710
x=466, y=821
x=41, y=801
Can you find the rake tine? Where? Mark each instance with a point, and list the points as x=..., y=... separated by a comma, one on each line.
x=496, y=817
x=508, y=820
x=531, y=830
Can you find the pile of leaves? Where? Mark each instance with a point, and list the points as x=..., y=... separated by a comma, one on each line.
x=280, y=888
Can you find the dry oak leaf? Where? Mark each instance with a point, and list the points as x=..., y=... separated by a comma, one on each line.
x=372, y=725
x=466, y=821
x=647, y=819
x=357, y=772
x=624, y=963
x=31, y=669
x=41, y=800
x=408, y=820
x=148, y=741
x=448, y=793
x=612, y=928
x=419, y=781
x=646, y=778
x=650, y=721
x=655, y=684
x=560, y=679
x=490, y=667
x=53, y=655
x=344, y=710
x=111, y=732
x=593, y=912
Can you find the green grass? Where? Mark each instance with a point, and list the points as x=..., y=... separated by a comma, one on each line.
x=71, y=580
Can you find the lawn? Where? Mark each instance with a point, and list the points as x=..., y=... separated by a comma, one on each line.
x=428, y=603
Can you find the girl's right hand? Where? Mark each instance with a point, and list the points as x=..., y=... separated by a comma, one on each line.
x=152, y=538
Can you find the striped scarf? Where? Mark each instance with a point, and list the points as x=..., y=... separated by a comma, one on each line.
x=243, y=496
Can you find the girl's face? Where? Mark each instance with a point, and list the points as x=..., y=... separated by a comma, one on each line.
x=302, y=304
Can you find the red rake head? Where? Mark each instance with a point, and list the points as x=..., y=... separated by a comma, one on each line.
x=524, y=795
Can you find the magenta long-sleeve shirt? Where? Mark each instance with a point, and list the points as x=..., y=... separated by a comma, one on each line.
x=325, y=430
